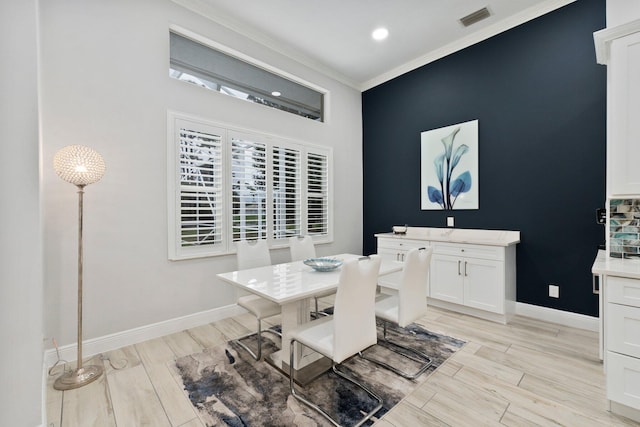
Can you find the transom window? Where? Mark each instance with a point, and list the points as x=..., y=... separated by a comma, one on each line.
x=216, y=70
x=227, y=185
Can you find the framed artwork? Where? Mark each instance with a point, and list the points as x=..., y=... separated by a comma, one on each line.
x=449, y=167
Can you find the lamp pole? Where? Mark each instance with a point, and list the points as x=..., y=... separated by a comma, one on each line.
x=80, y=209
x=80, y=166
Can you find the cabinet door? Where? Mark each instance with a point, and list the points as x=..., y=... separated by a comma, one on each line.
x=623, y=379
x=623, y=150
x=623, y=329
x=484, y=284
x=446, y=278
x=396, y=248
x=391, y=254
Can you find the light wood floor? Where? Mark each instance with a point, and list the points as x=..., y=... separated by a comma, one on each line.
x=526, y=373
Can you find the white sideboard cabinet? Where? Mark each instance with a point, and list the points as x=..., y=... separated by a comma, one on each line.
x=472, y=271
x=473, y=276
x=396, y=249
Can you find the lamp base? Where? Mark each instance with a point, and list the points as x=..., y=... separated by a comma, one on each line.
x=78, y=377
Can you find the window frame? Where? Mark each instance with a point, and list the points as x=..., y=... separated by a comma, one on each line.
x=176, y=121
x=253, y=62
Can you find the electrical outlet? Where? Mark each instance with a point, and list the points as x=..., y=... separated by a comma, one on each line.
x=554, y=291
x=449, y=221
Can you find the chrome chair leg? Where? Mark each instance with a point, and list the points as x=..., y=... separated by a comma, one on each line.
x=340, y=374
x=318, y=313
x=414, y=355
x=251, y=334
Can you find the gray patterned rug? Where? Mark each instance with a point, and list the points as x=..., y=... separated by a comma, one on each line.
x=229, y=388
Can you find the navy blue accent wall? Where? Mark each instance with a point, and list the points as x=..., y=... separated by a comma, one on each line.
x=540, y=99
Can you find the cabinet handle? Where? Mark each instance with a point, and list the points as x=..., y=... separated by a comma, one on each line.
x=459, y=267
x=465, y=268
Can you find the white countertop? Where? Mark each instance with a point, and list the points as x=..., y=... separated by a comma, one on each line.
x=459, y=235
x=623, y=267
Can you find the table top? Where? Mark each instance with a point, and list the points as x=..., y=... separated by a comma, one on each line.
x=293, y=281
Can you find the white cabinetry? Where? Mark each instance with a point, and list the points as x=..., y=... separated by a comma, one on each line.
x=472, y=271
x=624, y=116
x=619, y=49
x=474, y=277
x=396, y=248
x=622, y=340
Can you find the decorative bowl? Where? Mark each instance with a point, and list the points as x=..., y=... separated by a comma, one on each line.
x=399, y=229
x=323, y=264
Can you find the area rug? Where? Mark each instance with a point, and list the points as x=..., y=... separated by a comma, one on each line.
x=229, y=388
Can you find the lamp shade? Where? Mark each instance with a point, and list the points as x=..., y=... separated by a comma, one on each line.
x=79, y=165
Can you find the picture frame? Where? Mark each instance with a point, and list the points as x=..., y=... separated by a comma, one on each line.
x=449, y=167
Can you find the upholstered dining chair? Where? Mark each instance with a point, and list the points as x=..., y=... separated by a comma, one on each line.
x=301, y=248
x=351, y=329
x=252, y=256
x=408, y=305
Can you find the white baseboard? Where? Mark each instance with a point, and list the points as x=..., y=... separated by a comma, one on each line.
x=133, y=336
x=565, y=318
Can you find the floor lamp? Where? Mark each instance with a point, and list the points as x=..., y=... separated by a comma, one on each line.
x=80, y=166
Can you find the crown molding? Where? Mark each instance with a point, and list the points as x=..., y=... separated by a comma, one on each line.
x=203, y=8
x=603, y=38
x=471, y=39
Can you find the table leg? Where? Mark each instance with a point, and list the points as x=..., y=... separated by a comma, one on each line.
x=293, y=314
x=307, y=363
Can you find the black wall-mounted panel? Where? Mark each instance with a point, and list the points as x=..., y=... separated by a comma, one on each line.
x=540, y=99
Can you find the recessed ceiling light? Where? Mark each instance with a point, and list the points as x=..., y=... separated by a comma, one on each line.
x=380, y=33
x=276, y=93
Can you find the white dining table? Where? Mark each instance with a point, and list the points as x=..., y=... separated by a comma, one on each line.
x=292, y=285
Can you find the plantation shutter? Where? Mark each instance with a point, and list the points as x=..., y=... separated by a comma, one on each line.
x=286, y=175
x=249, y=189
x=201, y=186
x=225, y=185
x=317, y=193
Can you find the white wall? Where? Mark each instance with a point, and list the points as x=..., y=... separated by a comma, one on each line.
x=622, y=11
x=20, y=218
x=106, y=85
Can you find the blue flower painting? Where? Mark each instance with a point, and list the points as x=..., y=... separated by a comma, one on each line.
x=450, y=167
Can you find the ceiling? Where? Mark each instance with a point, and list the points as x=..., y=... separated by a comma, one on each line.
x=334, y=36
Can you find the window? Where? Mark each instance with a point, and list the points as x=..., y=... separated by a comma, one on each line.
x=286, y=193
x=198, y=182
x=317, y=193
x=249, y=189
x=242, y=77
x=227, y=185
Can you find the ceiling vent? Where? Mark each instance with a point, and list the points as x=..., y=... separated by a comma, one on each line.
x=476, y=16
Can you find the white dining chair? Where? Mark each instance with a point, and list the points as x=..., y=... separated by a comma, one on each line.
x=301, y=248
x=350, y=330
x=252, y=256
x=403, y=308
